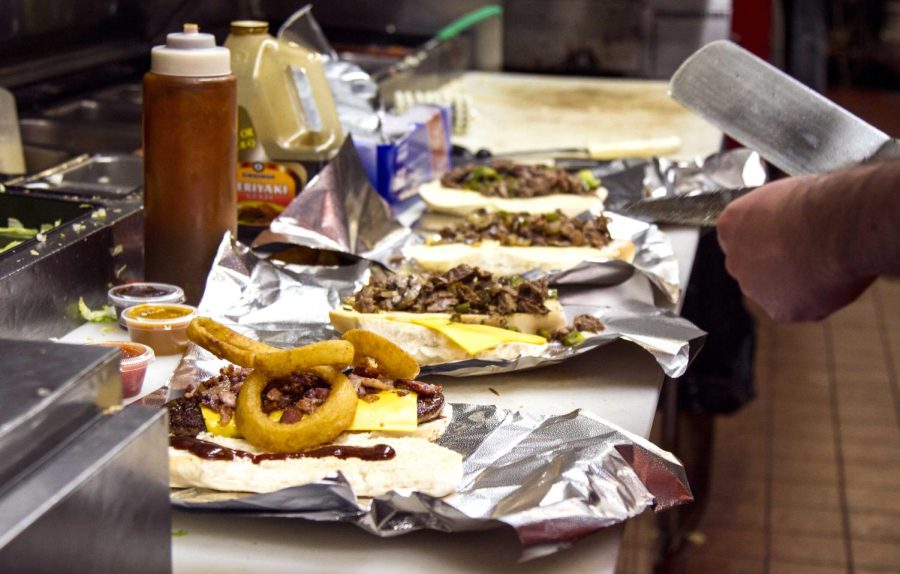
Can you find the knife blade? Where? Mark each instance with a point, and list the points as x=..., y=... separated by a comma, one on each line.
x=701, y=209
x=790, y=125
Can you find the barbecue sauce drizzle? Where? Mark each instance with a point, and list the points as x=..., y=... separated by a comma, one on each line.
x=211, y=451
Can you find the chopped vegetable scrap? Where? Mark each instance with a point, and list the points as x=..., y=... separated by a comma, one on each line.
x=102, y=315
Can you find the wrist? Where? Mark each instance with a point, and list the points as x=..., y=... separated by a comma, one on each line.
x=862, y=206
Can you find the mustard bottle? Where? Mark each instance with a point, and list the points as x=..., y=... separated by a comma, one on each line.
x=288, y=126
x=190, y=145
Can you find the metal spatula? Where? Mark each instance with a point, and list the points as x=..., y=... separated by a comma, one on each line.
x=790, y=125
x=701, y=209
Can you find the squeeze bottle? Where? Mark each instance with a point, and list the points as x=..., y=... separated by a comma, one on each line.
x=190, y=147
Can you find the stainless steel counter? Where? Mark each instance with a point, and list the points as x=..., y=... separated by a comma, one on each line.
x=82, y=489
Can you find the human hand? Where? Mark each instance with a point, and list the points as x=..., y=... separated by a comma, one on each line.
x=782, y=245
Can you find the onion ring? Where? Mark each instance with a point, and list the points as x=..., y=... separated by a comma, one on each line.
x=276, y=363
x=226, y=343
x=329, y=420
x=243, y=351
x=393, y=361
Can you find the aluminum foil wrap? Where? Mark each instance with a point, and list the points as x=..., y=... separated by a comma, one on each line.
x=654, y=258
x=285, y=304
x=340, y=211
x=633, y=180
x=354, y=91
x=554, y=479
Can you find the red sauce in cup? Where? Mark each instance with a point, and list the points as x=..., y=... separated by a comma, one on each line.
x=133, y=361
x=141, y=291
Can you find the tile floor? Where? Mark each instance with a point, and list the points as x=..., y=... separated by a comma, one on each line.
x=806, y=479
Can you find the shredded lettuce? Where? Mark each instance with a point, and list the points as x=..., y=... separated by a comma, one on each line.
x=14, y=232
x=18, y=233
x=9, y=245
x=102, y=315
x=45, y=227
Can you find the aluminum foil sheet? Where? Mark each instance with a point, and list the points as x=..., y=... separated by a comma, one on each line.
x=340, y=211
x=554, y=479
x=672, y=340
x=285, y=304
x=634, y=180
x=653, y=257
x=355, y=92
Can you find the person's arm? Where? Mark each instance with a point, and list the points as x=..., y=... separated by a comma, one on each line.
x=804, y=247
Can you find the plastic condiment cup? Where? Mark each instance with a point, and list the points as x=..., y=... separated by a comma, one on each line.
x=123, y=296
x=134, y=358
x=162, y=327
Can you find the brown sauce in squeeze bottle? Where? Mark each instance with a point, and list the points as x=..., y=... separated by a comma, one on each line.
x=190, y=147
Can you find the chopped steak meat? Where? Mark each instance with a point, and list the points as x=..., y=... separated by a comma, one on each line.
x=571, y=336
x=300, y=392
x=290, y=415
x=461, y=290
x=364, y=384
x=587, y=322
x=219, y=393
x=295, y=396
x=529, y=230
x=420, y=388
x=507, y=179
x=185, y=418
x=429, y=408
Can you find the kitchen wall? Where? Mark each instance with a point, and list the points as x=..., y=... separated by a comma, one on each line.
x=646, y=38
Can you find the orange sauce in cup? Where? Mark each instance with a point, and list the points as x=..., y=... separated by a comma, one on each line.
x=161, y=327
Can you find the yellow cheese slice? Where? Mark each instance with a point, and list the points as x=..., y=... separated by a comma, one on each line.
x=213, y=426
x=475, y=338
x=391, y=412
x=212, y=419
